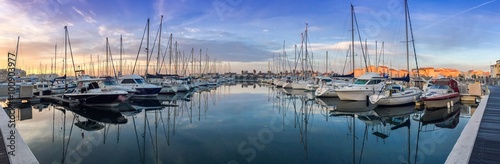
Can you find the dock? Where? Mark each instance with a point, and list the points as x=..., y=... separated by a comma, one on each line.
x=13, y=148
x=479, y=141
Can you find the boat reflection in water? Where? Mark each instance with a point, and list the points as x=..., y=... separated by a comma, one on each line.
x=443, y=117
x=345, y=107
x=210, y=125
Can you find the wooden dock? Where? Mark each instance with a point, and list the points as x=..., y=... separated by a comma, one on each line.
x=487, y=144
x=4, y=158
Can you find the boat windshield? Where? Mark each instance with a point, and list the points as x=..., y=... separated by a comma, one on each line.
x=139, y=81
x=327, y=80
x=361, y=81
x=109, y=82
x=393, y=86
x=439, y=87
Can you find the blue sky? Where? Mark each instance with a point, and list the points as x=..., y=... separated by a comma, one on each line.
x=246, y=33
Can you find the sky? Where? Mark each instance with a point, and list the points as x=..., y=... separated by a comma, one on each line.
x=249, y=34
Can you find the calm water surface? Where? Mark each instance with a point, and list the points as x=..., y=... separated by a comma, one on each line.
x=241, y=124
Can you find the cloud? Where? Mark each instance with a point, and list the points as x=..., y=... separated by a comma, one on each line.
x=87, y=18
x=102, y=30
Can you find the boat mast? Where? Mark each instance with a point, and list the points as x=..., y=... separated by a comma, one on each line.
x=65, y=55
x=352, y=37
x=192, y=61
x=326, y=63
x=121, y=52
x=147, y=49
x=55, y=57
x=107, y=57
x=407, y=46
x=159, y=47
x=200, y=63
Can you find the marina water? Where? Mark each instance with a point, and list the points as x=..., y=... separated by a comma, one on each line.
x=242, y=123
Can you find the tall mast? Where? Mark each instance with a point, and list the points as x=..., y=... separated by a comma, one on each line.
x=352, y=36
x=107, y=57
x=192, y=61
x=326, y=63
x=121, y=52
x=147, y=48
x=55, y=58
x=159, y=47
x=200, y=62
x=407, y=47
x=176, y=57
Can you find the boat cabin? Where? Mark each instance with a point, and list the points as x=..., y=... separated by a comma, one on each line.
x=452, y=83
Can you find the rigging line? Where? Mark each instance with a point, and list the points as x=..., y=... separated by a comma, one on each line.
x=360, y=42
x=70, y=51
x=140, y=46
x=413, y=43
x=137, y=138
x=149, y=54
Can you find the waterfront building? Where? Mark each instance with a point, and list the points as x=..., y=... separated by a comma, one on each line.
x=495, y=70
x=4, y=73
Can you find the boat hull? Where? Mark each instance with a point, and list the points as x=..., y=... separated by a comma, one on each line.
x=167, y=90
x=299, y=86
x=395, y=99
x=147, y=91
x=354, y=95
x=441, y=100
x=107, y=100
x=325, y=92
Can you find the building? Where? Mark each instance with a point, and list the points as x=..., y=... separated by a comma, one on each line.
x=4, y=73
x=495, y=70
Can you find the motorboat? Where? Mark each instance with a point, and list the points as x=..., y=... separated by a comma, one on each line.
x=137, y=82
x=110, y=84
x=41, y=88
x=61, y=84
x=443, y=92
x=395, y=94
x=366, y=85
x=88, y=93
x=328, y=86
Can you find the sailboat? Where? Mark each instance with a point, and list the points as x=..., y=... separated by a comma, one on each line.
x=88, y=92
x=137, y=82
x=366, y=84
x=393, y=93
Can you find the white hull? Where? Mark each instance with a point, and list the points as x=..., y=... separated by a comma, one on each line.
x=299, y=85
x=287, y=85
x=398, y=99
x=167, y=90
x=312, y=87
x=182, y=88
x=441, y=103
x=354, y=95
x=325, y=92
x=279, y=83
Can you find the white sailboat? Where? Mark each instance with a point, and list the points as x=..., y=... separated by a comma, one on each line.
x=366, y=84
x=396, y=94
x=328, y=86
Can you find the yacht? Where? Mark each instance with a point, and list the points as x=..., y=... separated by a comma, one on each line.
x=88, y=93
x=58, y=85
x=41, y=88
x=328, y=86
x=363, y=87
x=137, y=82
x=442, y=93
x=110, y=84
